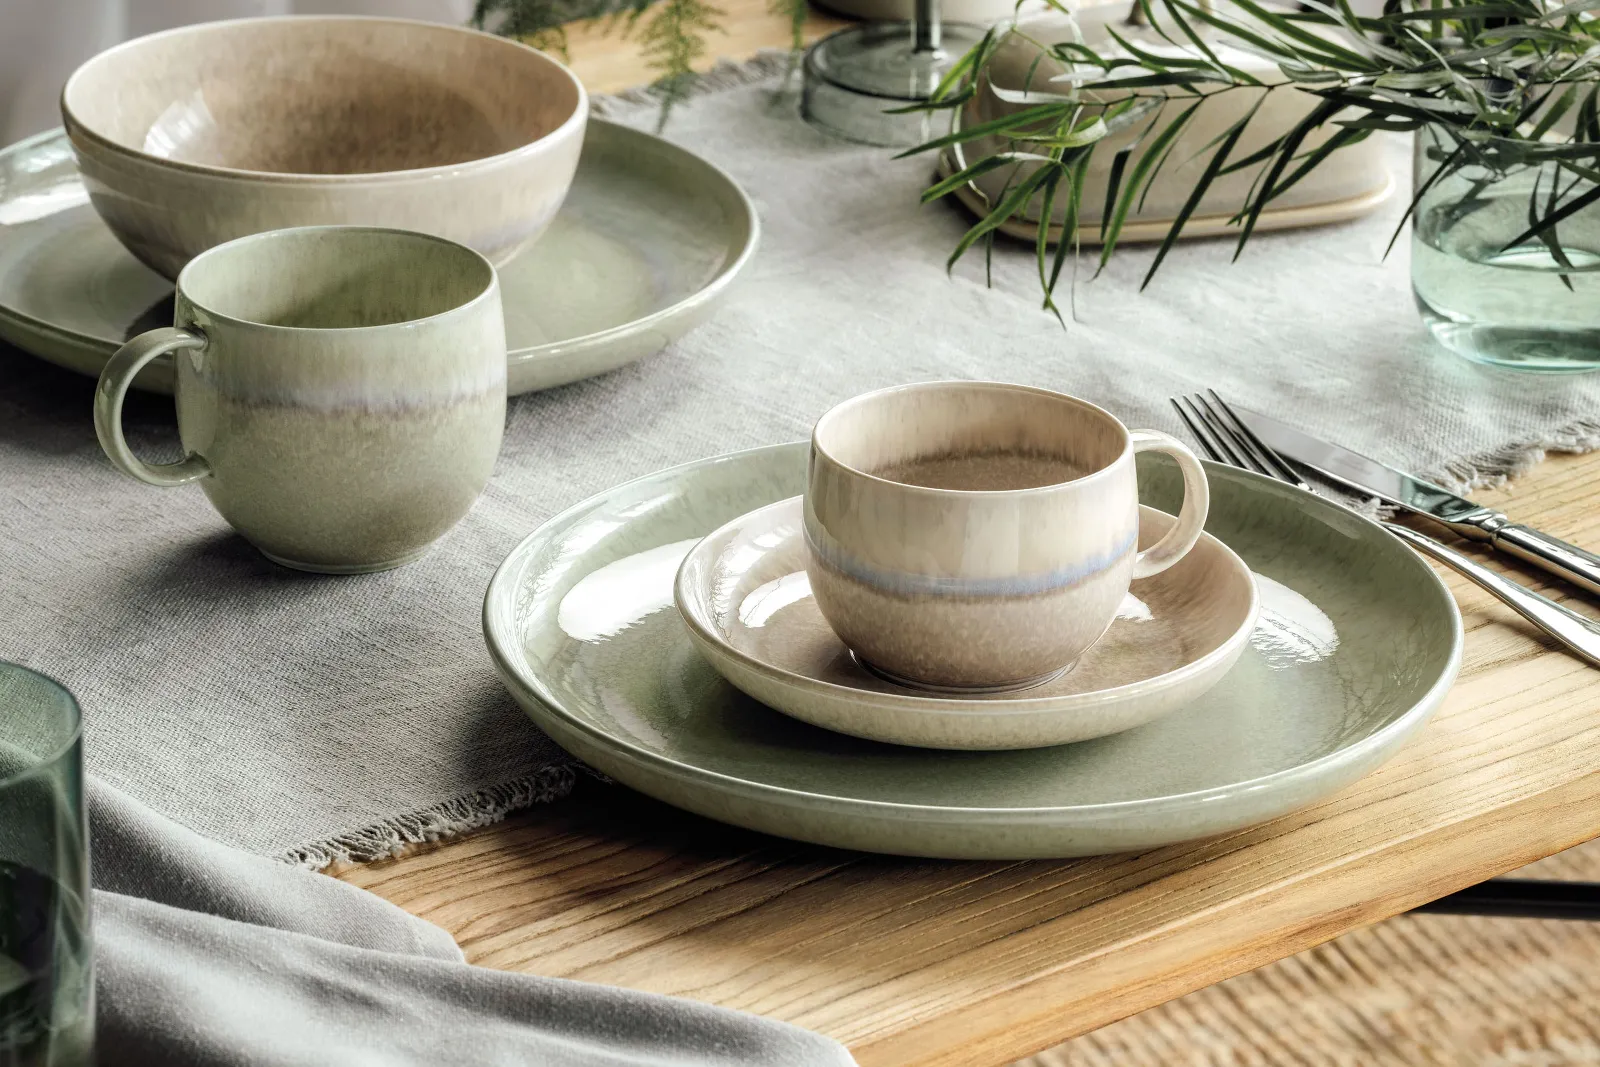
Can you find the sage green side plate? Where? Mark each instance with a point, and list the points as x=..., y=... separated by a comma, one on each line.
x=646, y=244
x=1357, y=642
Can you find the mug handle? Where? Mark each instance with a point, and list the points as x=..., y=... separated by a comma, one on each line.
x=1191, y=518
x=109, y=395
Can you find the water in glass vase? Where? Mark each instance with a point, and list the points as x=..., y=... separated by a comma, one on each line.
x=46, y=995
x=1495, y=297
x=1510, y=306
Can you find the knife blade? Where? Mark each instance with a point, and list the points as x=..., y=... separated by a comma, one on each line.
x=1421, y=497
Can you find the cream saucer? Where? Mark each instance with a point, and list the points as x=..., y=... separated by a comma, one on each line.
x=744, y=595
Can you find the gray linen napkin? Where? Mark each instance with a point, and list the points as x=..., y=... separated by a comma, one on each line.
x=212, y=957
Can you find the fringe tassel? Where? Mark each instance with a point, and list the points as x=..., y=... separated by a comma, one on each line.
x=1495, y=467
x=453, y=817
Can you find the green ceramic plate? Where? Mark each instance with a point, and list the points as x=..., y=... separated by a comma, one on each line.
x=1357, y=642
x=647, y=243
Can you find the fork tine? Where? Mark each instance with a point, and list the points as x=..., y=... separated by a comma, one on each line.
x=1277, y=465
x=1220, y=431
x=1202, y=435
x=1230, y=452
x=1253, y=460
x=1235, y=444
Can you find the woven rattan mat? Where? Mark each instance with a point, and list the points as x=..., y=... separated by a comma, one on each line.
x=1415, y=991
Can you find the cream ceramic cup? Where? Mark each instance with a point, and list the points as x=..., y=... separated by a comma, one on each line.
x=341, y=391
x=980, y=588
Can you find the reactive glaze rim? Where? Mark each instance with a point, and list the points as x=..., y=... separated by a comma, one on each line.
x=75, y=124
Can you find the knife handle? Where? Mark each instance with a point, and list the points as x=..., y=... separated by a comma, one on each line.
x=1550, y=553
x=1579, y=633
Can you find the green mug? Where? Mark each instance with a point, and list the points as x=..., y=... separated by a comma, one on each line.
x=341, y=391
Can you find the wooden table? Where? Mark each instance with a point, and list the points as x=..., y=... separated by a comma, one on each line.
x=917, y=962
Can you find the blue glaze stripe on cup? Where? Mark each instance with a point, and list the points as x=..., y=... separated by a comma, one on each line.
x=905, y=583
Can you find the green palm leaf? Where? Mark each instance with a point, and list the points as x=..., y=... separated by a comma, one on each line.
x=1507, y=84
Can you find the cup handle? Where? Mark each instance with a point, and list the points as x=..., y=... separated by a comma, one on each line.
x=1191, y=518
x=109, y=395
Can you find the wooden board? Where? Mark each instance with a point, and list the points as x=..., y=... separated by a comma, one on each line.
x=919, y=962
x=913, y=962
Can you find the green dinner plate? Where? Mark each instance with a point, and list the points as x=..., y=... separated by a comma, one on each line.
x=1357, y=642
x=646, y=245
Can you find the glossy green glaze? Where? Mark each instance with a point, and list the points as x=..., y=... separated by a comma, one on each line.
x=1357, y=642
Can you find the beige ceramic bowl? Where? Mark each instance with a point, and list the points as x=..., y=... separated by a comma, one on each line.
x=197, y=136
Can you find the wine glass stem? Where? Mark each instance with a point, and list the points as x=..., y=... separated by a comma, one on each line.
x=925, y=25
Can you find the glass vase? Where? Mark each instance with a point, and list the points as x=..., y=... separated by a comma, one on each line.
x=1487, y=288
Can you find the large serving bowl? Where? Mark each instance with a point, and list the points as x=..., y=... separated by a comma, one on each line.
x=199, y=135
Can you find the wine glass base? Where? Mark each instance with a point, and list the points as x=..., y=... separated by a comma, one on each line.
x=855, y=77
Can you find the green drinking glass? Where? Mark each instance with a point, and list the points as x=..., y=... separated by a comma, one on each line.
x=46, y=978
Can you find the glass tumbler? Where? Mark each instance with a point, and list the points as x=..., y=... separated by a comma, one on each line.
x=1488, y=287
x=46, y=979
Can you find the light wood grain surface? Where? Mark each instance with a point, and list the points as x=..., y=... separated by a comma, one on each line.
x=918, y=962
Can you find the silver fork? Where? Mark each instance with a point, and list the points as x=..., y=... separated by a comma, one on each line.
x=1225, y=438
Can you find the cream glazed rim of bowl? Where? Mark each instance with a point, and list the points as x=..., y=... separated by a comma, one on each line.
x=490, y=291
x=1137, y=701
x=77, y=127
x=504, y=642
x=1124, y=454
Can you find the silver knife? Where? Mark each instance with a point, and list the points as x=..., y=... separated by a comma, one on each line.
x=1472, y=521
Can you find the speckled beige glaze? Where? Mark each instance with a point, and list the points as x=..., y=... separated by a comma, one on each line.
x=981, y=640
x=340, y=391
x=974, y=588
x=193, y=137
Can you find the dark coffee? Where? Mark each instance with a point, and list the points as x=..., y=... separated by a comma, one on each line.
x=983, y=471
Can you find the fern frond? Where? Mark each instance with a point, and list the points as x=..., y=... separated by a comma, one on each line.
x=674, y=42
x=674, y=34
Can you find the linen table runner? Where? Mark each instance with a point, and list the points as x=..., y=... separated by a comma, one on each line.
x=313, y=718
